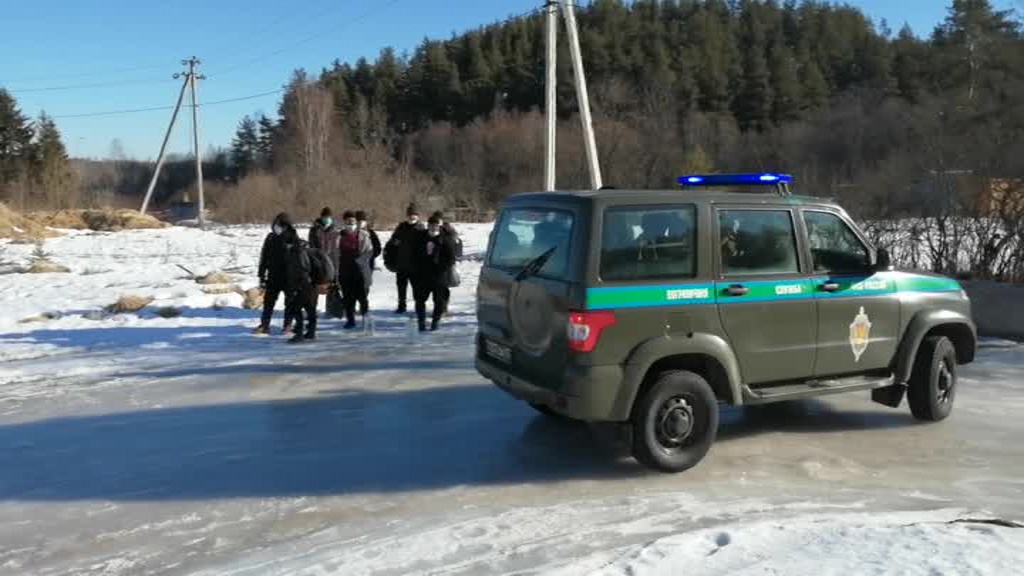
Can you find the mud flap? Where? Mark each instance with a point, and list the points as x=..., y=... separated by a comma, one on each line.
x=891, y=396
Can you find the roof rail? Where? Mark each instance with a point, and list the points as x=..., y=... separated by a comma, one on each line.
x=780, y=182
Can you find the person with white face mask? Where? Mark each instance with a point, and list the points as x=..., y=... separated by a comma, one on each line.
x=273, y=271
x=324, y=236
x=400, y=253
x=435, y=260
x=354, y=274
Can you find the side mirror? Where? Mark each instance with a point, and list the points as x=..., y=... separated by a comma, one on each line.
x=882, y=261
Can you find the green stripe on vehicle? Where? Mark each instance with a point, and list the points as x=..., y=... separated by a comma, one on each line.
x=645, y=296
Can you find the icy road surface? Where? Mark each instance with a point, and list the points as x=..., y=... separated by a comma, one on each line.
x=143, y=445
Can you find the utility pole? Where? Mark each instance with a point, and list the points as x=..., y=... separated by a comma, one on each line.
x=163, y=147
x=582, y=95
x=551, y=99
x=188, y=82
x=192, y=77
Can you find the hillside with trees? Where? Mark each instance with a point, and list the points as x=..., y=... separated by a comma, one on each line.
x=883, y=119
x=813, y=88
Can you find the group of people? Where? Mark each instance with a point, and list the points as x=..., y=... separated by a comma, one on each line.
x=338, y=261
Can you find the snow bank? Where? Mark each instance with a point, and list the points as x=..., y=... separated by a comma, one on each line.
x=863, y=544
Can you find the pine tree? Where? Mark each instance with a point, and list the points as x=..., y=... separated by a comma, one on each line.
x=245, y=148
x=265, y=142
x=54, y=177
x=753, y=105
x=788, y=93
x=15, y=140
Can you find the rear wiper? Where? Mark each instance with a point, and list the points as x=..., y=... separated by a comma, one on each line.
x=534, y=266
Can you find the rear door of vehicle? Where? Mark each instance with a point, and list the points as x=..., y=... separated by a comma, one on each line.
x=522, y=322
x=858, y=309
x=764, y=294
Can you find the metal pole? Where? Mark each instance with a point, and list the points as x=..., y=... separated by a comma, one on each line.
x=195, y=139
x=163, y=147
x=581, y=94
x=551, y=99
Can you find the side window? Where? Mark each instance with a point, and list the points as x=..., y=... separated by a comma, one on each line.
x=648, y=243
x=834, y=246
x=757, y=242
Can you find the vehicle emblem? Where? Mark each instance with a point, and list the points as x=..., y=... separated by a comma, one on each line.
x=860, y=334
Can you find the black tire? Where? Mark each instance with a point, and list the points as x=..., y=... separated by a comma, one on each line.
x=545, y=410
x=674, y=422
x=932, y=386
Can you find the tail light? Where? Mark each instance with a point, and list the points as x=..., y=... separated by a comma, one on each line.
x=585, y=328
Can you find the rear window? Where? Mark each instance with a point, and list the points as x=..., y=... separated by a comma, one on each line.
x=523, y=234
x=641, y=243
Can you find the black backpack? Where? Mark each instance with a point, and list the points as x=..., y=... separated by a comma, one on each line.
x=321, y=268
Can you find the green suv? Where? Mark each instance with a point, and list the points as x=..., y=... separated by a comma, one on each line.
x=653, y=307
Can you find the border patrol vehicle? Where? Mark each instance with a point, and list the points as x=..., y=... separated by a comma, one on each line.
x=652, y=308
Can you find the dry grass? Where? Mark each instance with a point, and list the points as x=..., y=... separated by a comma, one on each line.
x=45, y=266
x=14, y=225
x=168, y=312
x=252, y=299
x=221, y=289
x=129, y=303
x=44, y=317
x=214, y=278
x=97, y=220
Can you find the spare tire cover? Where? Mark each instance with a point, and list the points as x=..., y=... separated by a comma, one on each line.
x=531, y=315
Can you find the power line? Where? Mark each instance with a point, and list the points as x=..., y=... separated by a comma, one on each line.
x=281, y=90
x=366, y=14
x=86, y=86
x=51, y=77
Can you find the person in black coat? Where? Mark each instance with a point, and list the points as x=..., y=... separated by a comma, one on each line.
x=324, y=236
x=301, y=281
x=435, y=259
x=273, y=271
x=400, y=252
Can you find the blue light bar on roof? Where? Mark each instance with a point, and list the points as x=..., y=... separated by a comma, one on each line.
x=762, y=179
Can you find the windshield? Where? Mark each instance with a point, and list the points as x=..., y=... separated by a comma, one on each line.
x=524, y=234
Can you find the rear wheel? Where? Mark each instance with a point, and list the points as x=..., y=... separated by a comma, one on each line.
x=674, y=422
x=932, y=386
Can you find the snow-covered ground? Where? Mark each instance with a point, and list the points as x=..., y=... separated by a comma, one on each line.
x=134, y=444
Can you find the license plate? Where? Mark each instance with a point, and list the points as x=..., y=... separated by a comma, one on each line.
x=498, y=351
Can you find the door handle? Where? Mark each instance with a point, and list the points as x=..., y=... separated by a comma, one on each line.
x=830, y=287
x=737, y=290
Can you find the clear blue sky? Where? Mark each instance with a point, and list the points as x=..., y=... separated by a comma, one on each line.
x=58, y=43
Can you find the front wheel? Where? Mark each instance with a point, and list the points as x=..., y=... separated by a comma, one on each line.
x=932, y=386
x=675, y=422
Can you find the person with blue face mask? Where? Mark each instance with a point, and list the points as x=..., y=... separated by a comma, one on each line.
x=325, y=236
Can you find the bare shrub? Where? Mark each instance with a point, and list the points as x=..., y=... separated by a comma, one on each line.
x=214, y=278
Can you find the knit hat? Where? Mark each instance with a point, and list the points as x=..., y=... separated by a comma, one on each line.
x=348, y=214
x=361, y=215
x=435, y=218
x=325, y=212
x=412, y=210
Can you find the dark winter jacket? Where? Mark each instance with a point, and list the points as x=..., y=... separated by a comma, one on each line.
x=298, y=265
x=435, y=258
x=356, y=251
x=375, y=241
x=273, y=259
x=401, y=250
x=448, y=229
x=325, y=239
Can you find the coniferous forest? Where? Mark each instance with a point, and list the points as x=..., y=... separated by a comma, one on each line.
x=886, y=118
